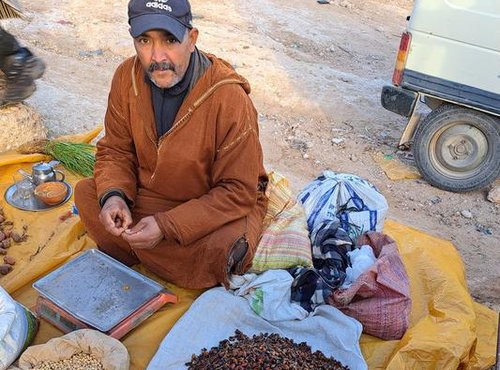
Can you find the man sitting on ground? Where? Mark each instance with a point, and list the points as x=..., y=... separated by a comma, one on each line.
x=179, y=179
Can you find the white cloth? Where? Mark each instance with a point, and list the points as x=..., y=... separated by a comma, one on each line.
x=269, y=295
x=217, y=313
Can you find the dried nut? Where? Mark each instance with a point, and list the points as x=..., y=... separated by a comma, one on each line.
x=6, y=243
x=65, y=216
x=2, y=218
x=2, y=236
x=16, y=237
x=3, y=251
x=7, y=233
x=5, y=269
x=9, y=260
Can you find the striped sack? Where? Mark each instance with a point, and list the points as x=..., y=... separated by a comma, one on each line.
x=10, y=9
x=285, y=239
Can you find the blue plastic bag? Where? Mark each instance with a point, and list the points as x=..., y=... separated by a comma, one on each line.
x=353, y=201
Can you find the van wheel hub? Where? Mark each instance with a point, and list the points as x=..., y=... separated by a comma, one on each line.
x=460, y=147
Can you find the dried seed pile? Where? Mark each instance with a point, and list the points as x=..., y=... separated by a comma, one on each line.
x=7, y=236
x=262, y=352
x=79, y=361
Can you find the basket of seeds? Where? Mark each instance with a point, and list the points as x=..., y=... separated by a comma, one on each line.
x=84, y=349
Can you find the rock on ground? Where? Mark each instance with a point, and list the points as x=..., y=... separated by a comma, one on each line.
x=494, y=195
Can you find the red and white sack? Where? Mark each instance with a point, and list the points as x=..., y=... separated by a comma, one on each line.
x=380, y=297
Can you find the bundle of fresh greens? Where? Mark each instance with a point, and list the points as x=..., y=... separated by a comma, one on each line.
x=78, y=158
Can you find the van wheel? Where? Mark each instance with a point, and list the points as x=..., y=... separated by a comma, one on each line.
x=458, y=149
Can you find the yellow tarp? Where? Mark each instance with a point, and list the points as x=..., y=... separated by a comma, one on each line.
x=13, y=157
x=447, y=329
x=394, y=168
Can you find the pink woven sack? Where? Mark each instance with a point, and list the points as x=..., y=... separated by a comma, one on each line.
x=380, y=297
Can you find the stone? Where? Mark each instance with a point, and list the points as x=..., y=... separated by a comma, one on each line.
x=494, y=195
x=435, y=200
x=466, y=213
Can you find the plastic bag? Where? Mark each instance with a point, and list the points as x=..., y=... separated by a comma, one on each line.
x=355, y=202
x=361, y=259
x=18, y=327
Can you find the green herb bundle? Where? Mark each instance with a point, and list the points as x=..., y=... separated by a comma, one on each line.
x=78, y=158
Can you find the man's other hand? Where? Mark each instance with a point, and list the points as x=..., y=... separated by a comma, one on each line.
x=145, y=235
x=115, y=216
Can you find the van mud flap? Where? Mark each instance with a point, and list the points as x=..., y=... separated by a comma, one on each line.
x=398, y=100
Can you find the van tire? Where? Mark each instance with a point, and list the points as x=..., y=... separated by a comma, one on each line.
x=458, y=149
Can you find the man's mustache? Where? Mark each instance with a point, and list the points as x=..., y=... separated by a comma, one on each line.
x=161, y=66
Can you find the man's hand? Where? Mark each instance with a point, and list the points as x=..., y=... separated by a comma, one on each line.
x=145, y=235
x=115, y=216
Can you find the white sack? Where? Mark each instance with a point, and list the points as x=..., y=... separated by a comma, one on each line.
x=269, y=295
x=14, y=329
x=217, y=313
x=112, y=354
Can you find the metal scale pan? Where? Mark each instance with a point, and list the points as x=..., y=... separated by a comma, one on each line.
x=97, y=289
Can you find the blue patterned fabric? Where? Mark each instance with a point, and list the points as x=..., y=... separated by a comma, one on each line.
x=311, y=286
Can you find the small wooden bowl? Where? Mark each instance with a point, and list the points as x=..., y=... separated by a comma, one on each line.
x=51, y=193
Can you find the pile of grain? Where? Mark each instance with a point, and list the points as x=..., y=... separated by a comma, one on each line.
x=79, y=361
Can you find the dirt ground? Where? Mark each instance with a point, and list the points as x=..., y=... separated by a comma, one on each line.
x=316, y=72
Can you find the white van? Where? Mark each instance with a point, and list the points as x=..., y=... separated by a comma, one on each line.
x=449, y=60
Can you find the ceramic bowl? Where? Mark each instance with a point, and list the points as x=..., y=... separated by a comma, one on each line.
x=51, y=193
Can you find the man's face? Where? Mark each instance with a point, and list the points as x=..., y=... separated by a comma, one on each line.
x=163, y=57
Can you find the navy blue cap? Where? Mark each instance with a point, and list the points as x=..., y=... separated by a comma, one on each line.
x=173, y=16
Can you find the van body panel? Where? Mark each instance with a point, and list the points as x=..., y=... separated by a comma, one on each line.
x=474, y=22
x=452, y=60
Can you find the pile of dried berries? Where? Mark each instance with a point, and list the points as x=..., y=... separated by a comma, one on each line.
x=7, y=235
x=262, y=352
